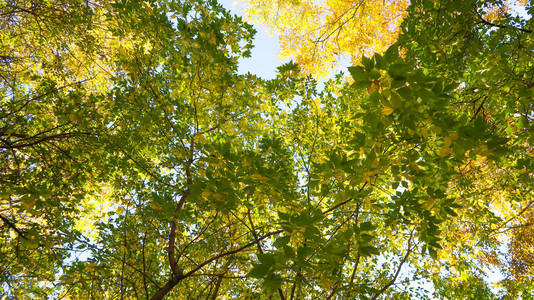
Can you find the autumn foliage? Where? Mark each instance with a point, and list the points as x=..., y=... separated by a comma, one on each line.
x=136, y=162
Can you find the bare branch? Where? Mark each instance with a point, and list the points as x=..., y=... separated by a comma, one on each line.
x=392, y=281
x=485, y=22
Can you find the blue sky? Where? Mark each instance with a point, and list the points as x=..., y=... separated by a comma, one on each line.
x=264, y=59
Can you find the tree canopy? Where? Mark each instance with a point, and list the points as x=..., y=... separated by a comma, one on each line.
x=136, y=162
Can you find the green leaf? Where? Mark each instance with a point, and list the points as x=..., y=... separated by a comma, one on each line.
x=266, y=259
x=367, y=63
x=258, y=271
x=312, y=233
x=399, y=70
x=380, y=62
x=405, y=93
x=450, y=211
x=289, y=252
x=272, y=283
x=281, y=241
x=365, y=238
x=359, y=74
x=366, y=226
x=395, y=100
x=392, y=54
x=368, y=251
x=284, y=216
x=433, y=253
x=303, y=252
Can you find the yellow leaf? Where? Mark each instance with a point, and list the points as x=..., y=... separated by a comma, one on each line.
x=436, y=129
x=447, y=142
x=28, y=202
x=218, y=196
x=386, y=111
x=316, y=106
x=73, y=117
x=212, y=39
x=200, y=138
x=90, y=267
x=367, y=202
x=206, y=193
x=428, y=203
x=155, y=206
x=424, y=132
x=373, y=87
x=444, y=151
x=147, y=6
x=258, y=177
x=243, y=123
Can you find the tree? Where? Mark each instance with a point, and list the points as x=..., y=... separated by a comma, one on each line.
x=324, y=31
x=465, y=44
x=54, y=70
x=490, y=60
x=138, y=164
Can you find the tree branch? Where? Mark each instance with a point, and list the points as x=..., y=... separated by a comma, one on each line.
x=13, y=226
x=252, y=243
x=485, y=22
x=255, y=235
x=392, y=281
x=175, y=279
x=344, y=202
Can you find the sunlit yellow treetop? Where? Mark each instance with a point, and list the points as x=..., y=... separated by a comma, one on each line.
x=316, y=34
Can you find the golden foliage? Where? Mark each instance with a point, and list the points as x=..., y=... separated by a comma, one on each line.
x=496, y=12
x=317, y=35
x=522, y=249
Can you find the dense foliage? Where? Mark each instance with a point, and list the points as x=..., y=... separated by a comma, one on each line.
x=137, y=163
